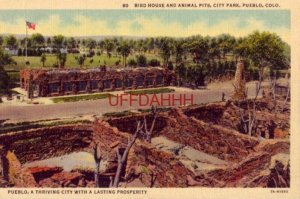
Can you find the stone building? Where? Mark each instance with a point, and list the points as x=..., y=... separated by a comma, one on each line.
x=282, y=88
x=57, y=82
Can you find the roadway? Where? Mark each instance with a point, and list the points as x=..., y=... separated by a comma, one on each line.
x=17, y=113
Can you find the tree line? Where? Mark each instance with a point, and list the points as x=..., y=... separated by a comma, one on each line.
x=198, y=48
x=195, y=58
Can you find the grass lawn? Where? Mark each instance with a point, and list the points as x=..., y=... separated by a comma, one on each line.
x=118, y=114
x=81, y=98
x=151, y=91
x=71, y=62
x=160, y=109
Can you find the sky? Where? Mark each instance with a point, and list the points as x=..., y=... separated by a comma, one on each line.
x=175, y=23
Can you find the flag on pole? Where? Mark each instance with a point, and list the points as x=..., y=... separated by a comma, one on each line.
x=30, y=25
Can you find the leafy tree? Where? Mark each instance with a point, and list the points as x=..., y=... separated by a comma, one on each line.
x=141, y=60
x=151, y=44
x=11, y=41
x=214, y=50
x=65, y=43
x=132, y=44
x=198, y=47
x=109, y=46
x=81, y=60
x=140, y=46
x=43, y=59
x=196, y=74
x=178, y=51
x=20, y=52
x=91, y=43
x=190, y=74
x=200, y=72
x=58, y=41
x=124, y=49
x=1, y=41
x=71, y=42
x=101, y=44
x=38, y=40
x=165, y=50
x=83, y=42
x=61, y=58
x=5, y=59
x=226, y=44
x=241, y=48
x=23, y=42
x=266, y=50
x=180, y=71
x=49, y=41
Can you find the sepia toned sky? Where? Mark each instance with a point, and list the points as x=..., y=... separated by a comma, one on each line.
x=176, y=23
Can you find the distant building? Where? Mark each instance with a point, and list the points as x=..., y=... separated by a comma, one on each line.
x=282, y=87
x=63, y=50
x=57, y=82
x=11, y=51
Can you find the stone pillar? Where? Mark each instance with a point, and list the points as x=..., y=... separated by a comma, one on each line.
x=30, y=87
x=61, y=89
x=74, y=88
x=112, y=84
x=100, y=85
x=154, y=81
x=239, y=82
x=88, y=86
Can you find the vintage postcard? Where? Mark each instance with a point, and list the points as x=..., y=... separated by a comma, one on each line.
x=136, y=99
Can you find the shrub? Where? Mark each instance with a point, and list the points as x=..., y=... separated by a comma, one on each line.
x=141, y=61
x=154, y=62
x=132, y=63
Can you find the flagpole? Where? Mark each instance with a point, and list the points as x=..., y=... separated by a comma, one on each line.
x=26, y=44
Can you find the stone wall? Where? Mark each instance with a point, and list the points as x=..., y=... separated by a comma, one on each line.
x=216, y=140
x=156, y=168
x=43, y=143
x=267, y=124
x=203, y=136
x=128, y=123
x=258, y=169
x=208, y=113
x=145, y=166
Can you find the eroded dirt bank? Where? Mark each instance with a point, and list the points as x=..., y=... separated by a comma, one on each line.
x=194, y=146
